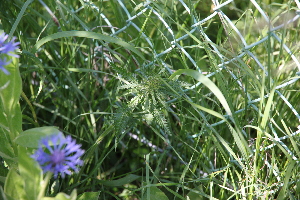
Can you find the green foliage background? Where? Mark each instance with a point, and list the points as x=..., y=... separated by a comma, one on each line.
x=106, y=91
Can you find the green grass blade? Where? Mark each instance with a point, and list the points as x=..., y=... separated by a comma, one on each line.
x=86, y=34
x=207, y=82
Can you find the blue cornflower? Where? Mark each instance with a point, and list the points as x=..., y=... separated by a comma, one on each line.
x=59, y=158
x=6, y=48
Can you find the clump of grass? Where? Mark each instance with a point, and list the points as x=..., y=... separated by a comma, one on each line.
x=107, y=83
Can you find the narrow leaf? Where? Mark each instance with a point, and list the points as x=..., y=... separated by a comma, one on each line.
x=122, y=181
x=156, y=193
x=86, y=34
x=207, y=82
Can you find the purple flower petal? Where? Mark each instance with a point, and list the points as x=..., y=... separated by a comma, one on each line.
x=2, y=64
x=8, y=46
x=3, y=37
x=59, y=155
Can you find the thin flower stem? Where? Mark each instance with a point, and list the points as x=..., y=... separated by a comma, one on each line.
x=32, y=109
x=44, y=185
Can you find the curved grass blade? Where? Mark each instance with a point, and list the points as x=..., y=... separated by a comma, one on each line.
x=86, y=34
x=207, y=82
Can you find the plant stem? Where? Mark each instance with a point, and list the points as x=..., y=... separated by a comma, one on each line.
x=44, y=185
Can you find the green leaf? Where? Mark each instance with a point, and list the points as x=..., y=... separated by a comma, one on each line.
x=6, y=150
x=30, y=173
x=3, y=173
x=62, y=196
x=10, y=86
x=207, y=82
x=30, y=138
x=19, y=18
x=86, y=34
x=156, y=193
x=122, y=181
x=59, y=196
x=194, y=194
x=13, y=187
x=89, y=196
x=10, y=92
x=287, y=178
x=267, y=110
x=10, y=112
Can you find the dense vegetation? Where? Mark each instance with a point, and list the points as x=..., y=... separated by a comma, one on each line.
x=161, y=117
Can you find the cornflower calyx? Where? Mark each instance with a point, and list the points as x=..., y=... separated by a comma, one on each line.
x=6, y=49
x=58, y=155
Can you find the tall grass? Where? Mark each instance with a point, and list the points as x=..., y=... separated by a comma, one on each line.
x=149, y=134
